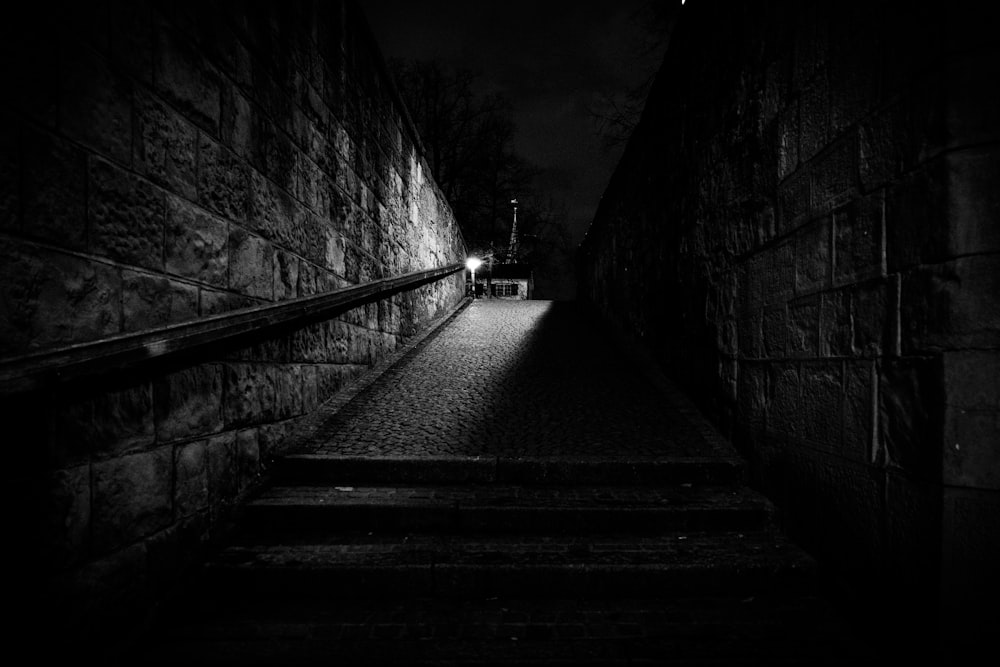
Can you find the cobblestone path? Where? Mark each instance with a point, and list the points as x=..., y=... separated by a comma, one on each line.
x=515, y=378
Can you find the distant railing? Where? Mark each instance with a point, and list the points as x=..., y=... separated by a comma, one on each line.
x=127, y=351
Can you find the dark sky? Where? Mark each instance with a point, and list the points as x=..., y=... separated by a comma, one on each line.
x=551, y=58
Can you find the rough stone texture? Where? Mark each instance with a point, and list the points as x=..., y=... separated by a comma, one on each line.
x=196, y=244
x=126, y=216
x=133, y=497
x=872, y=136
x=189, y=402
x=167, y=162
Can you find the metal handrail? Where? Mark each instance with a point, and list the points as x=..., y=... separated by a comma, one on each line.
x=37, y=370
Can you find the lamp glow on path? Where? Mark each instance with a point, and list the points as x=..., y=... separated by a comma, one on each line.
x=472, y=264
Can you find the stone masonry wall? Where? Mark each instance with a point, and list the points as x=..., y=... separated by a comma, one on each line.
x=805, y=229
x=163, y=162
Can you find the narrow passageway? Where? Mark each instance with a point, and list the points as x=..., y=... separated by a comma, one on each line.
x=514, y=489
x=515, y=378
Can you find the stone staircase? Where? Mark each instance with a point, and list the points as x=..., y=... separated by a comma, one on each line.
x=493, y=561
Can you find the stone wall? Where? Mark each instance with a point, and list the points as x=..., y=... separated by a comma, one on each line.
x=805, y=230
x=164, y=162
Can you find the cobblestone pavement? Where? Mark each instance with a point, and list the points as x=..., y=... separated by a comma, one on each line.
x=515, y=378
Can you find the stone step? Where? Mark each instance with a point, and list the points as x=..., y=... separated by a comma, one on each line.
x=365, y=566
x=308, y=512
x=507, y=631
x=371, y=470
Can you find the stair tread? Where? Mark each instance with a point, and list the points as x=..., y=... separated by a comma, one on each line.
x=719, y=550
x=681, y=498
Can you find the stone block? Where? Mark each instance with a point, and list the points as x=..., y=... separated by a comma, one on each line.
x=164, y=147
x=64, y=532
x=238, y=119
x=974, y=201
x=133, y=497
x=871, y=308
x=820, y=409
x=150, y=301
x=251, y=264
x=223, y=180
x=793, y=202
x=775, y=331
x=803, y=327
x=859, y=411
x=191, y=492
x=223, y=475
x=310, y=389
x=189, y=402
x=272, y=212
x=752, y=395
x=247, y=458
x=126, y=216
x=909, y=415
x=104, y=421
x=309, y=343
x=783, y=400
x=286, y=275
x=972, y=379
x=814, y=118
x=288, y=390
x=95, y=105
x=835, y=325
x=251, y=394
x=213, y=302
x=951, y=305
x=50, y=299
x=834, y=173
x=916, y=218
x=54, y=190
x=813, y=257
x=186, y=79
x=971, y=452
x=196, y=244
x=857, y=240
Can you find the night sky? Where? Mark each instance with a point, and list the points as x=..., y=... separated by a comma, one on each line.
x=553, y=59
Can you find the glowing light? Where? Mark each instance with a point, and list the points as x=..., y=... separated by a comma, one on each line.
x=473, y=263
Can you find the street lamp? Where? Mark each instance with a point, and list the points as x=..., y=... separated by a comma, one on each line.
x=472, y=264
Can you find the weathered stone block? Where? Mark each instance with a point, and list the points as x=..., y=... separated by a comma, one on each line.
x=95, y=105
x=972, y=379
x=273, y=213
x=251, y=264
x=974, y=201
x=814, y=118
x=150, y=301
x=50, y=299
x=859, y=411
x=247, y=458
x=126, y=215
x=191, y=492
x=164, y=146
x=54, y=187
x=212, y=302
x=288, y=390
x=835, y=326
x=182, y=76
x=251, y=393
x=812, y=257
x=775, y=332
x=238, y=119
x=108, y=421
x=783, y=400
x=65, y=531
x=793, y=202
x=189, y=402
x=133, y=497
x=871, y=306
x=803, y=331
x=971, y=453
x=916, y=218
x=858, y=252
x=286, y=275
x=310, y=389
x=223, y=180
x=223, y=476
x=909, y=415
x=309, y=343
x=196, y=245
x=951, y=305
x=834, y=174
x=820, y=409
